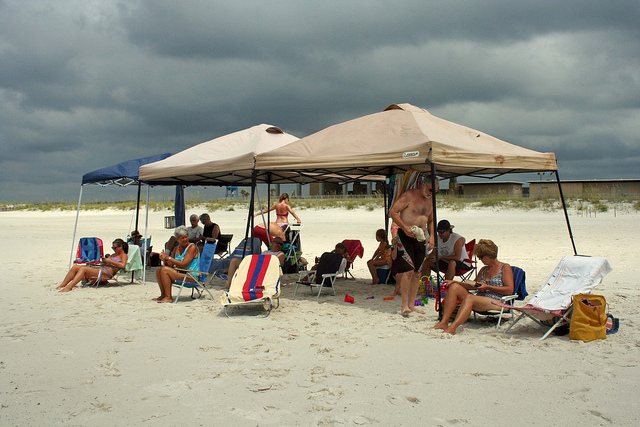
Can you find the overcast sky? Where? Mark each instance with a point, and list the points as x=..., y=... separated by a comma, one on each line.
x=86, y=84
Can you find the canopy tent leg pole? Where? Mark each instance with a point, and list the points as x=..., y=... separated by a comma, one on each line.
x=566, y=215
x=249, y=230
x=138, y=206
x=179, y=207
x=266, y=226
x=263, y=220
x=75, y=227
x=146, y=230
x=386, y=208
x=133, y=274
x=435, y=249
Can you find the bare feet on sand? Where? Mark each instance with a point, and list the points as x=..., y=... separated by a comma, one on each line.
x=451, y=330
x=418, y=310
x=406, y=312
x=440, y=325
x=165, y=299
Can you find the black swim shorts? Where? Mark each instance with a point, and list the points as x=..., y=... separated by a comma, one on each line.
x=411, y=253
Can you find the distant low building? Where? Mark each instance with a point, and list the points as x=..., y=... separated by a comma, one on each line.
x=587, y=188
x=487, y=189
x=332, y=189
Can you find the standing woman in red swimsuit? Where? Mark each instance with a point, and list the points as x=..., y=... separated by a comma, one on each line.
x=283, y=210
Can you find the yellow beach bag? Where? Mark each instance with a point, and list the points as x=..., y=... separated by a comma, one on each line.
x=589, y=318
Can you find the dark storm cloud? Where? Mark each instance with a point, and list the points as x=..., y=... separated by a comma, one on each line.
x=88, y=84
x=255, y=29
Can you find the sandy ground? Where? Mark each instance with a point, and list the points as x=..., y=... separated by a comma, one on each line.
x=111, y=356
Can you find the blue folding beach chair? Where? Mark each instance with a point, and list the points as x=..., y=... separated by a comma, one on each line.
x=519, y=293
x=90, y=251
x=196, y=280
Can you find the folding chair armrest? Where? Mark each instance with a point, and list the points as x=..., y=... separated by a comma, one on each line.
x=508, y=298
x=331, y=276
x=310, y=275
x=184, y=270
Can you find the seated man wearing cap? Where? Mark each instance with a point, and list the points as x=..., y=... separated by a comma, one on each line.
x=451, y=252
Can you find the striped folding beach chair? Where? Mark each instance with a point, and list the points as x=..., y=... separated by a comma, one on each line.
x=256, y=281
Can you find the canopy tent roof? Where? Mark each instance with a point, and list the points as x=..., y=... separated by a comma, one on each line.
x=227, y=160
x=122, y=174
x=370, y=148
x=400, y=138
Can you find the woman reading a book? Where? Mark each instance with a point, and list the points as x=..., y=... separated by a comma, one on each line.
x=493, y=281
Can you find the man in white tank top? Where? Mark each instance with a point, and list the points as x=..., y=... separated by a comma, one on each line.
x=451, y=252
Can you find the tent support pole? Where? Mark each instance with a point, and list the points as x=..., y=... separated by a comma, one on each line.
x=249, y=230
x=145, y=237
x=566, y=215
x=263, y=220
x=385, y=189
x=268, y=206
x=75, y=227
x=435, y=249
x=138, y=206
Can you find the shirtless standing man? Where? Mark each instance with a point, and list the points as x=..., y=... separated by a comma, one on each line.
x=413, y=208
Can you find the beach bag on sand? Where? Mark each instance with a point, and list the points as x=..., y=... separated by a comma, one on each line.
x=589, y=318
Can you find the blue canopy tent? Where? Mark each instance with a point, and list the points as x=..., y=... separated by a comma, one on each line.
x=123, y=174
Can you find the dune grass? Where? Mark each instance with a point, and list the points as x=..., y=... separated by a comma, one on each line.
x=351, y=203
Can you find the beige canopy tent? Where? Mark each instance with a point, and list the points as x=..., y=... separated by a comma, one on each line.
x=400, y=138
x=227, y=160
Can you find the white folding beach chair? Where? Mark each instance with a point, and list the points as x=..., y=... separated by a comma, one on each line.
x=573, y=275
x=330, y=266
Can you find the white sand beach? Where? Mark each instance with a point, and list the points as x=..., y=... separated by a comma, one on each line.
x=111, y=356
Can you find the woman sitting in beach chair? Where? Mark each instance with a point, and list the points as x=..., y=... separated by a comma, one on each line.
x=493, y=281
x=184, y=256
x=107, y=270
x=381, y=257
